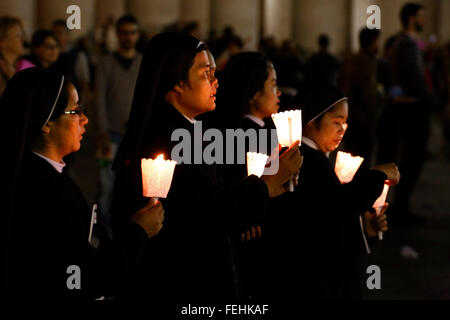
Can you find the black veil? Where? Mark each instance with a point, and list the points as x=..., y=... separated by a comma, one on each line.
x=31, y=98
x=243, y=76
x=318, y=100
x=166, y=61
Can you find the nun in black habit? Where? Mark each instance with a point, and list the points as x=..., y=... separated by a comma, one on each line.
x=248, y=97
x=193, y=254
x=322, y=261
x=48, y=255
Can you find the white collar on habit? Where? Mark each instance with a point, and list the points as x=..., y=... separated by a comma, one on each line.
x=189, y=119
x=310, y=143
x=57, y=165
x=256, y=120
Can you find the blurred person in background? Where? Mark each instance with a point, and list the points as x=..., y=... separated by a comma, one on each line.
x=11, y=48
x=322, y=67
x=358, y=80
x=114, y=86
x=44, y=51
x=72, y=61
x=404, y=137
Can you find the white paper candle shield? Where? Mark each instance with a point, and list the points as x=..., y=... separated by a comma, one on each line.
x=157, y=176
x=256, y=162
x=289, y=130
x=289, y=126
x=346, y=166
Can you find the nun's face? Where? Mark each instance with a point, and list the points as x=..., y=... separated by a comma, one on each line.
x=67, y=131
x=198, y=95
x=332, y=128
x=266, y=101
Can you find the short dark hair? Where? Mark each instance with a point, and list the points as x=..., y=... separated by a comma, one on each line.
x=60, y=23
x=367, y=37
x=40, y=36
x=189, y=27
x=323, y=40
x=409, y=10
x=128, y=18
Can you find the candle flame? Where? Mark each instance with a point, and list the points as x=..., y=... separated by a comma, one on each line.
x=160, y=157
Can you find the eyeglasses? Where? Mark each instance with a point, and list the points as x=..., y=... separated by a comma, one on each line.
x=128, y=33
x=50, y=46
x=79, y=109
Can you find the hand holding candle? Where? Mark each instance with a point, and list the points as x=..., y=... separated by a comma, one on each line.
x=157, y=176
x=346, y=166
x=289, y=130
x=379, y=203
x=256, y=163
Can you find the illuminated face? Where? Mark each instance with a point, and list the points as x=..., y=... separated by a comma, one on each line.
x=198, y=94
x=67, y=130
x=266, y=101
x=328, y=135
x=212, y=63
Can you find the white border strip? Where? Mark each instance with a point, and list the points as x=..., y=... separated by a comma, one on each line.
x=342, y=99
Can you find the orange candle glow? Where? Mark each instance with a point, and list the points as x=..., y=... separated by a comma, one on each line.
x=382, y=198
x=379, y=203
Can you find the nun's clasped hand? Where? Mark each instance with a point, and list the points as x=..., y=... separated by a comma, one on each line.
x=150, y=217
x=290, y=162
x=375, y=223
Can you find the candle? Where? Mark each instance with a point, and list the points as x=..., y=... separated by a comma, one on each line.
x=289, y=126
x=157, y=176
x=256, y=162
x=379, y=203
x=346, y=166
x=289, y=130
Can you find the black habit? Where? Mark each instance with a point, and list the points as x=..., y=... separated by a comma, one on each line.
x=323, y=236
x=192, y=258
